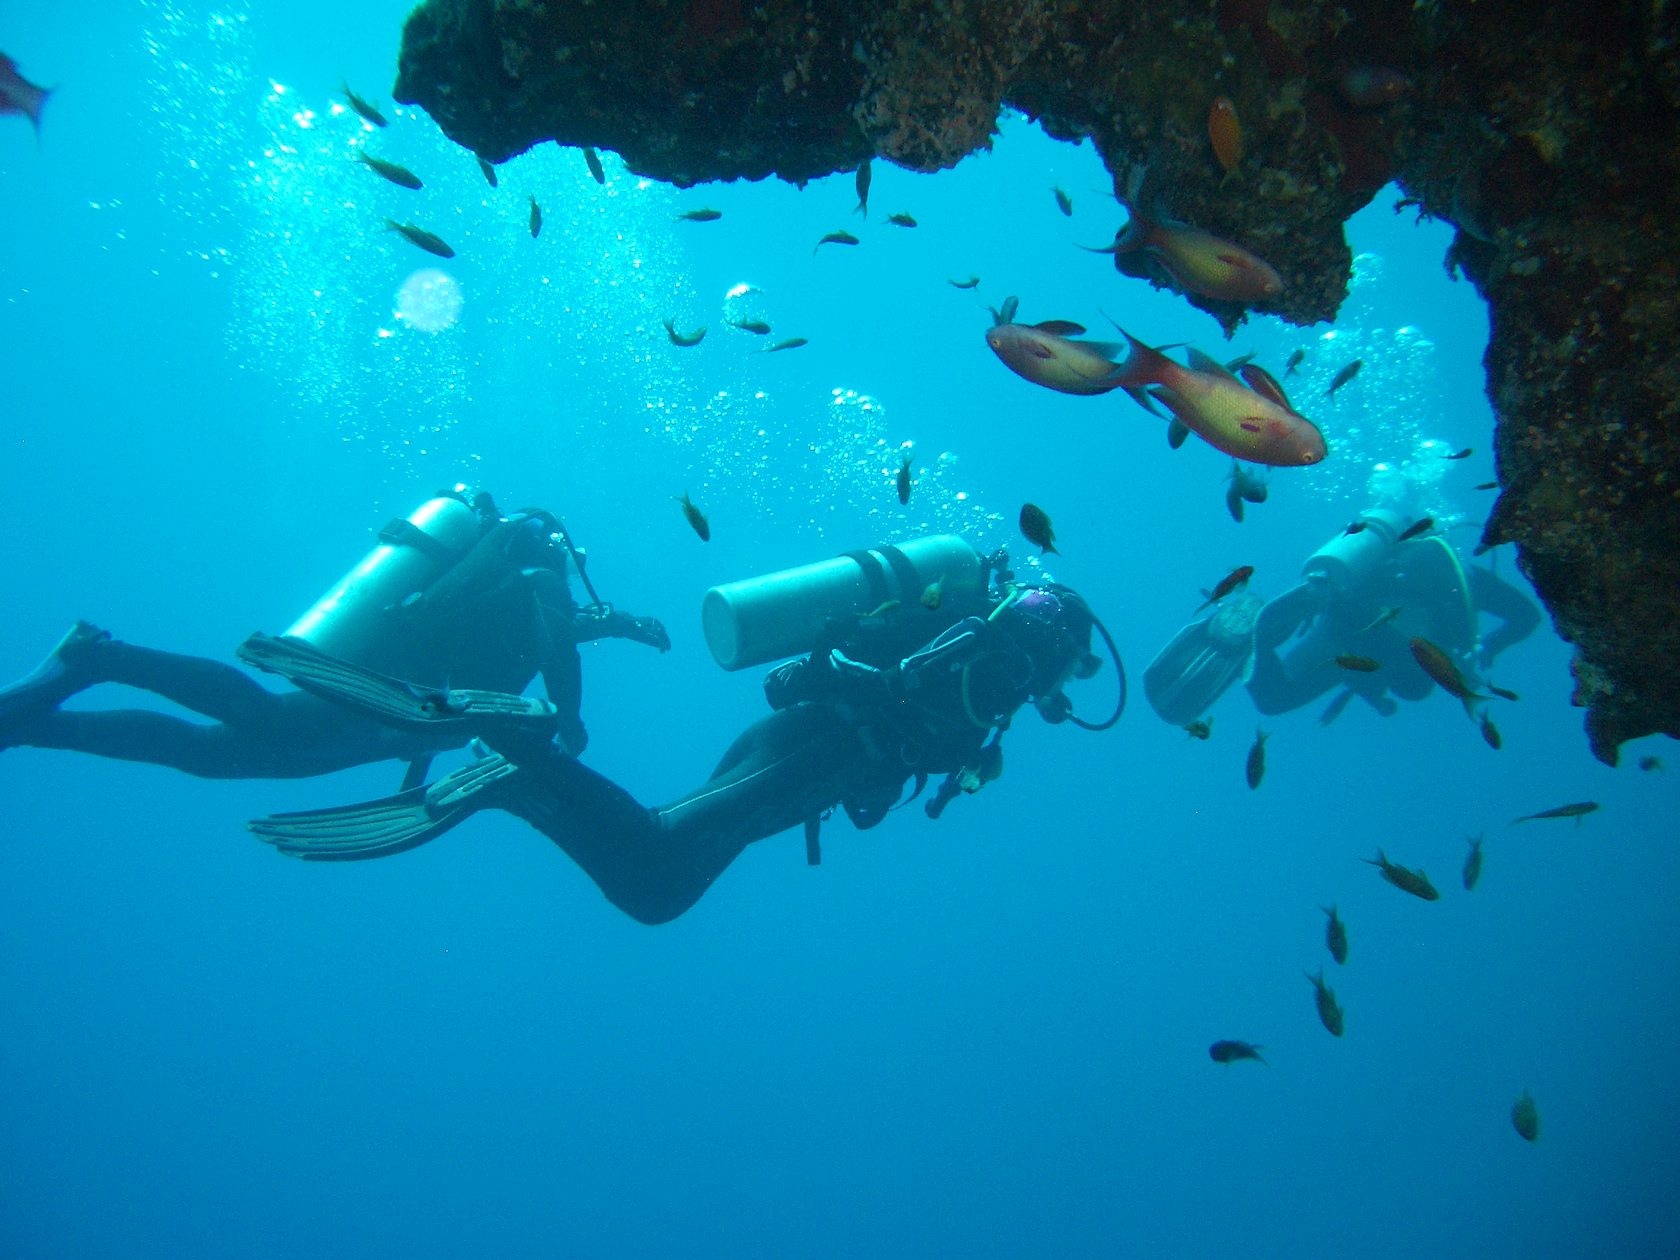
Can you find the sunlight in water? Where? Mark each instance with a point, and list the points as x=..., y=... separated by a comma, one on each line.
x=430, y=300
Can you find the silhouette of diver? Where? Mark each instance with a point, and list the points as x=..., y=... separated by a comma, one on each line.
x=456, y=593
x=844, y=732
x=1364, y=594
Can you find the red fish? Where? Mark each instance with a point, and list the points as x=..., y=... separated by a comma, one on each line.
x=1046, y=355
x=1225, y=133
x=1244, y=422
x=1230, y=582
x=1200, y=262
x=18, y=95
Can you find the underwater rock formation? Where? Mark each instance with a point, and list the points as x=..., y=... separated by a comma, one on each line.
x=1544, y=133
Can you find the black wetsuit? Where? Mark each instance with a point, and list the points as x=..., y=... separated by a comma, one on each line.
x=845, y=734
x=494, y=621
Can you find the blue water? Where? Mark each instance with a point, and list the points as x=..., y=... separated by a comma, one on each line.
x=982, y=1037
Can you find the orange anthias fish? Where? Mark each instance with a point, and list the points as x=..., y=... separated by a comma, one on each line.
x=1440, y=668
x=1199, y=262
x=1225, y=133
x=1246, y=423
x=1045, y=355
x=1230, y=582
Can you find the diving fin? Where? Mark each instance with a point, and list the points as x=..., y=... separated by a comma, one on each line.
x=392, y=700
x=1202, y=661
x=378, y=828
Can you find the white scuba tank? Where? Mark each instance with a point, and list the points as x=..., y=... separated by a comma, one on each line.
x=1349, y=560
x=783, y=614
x=351, y=621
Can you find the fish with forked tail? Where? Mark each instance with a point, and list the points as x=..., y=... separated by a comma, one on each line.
x=1404, y=877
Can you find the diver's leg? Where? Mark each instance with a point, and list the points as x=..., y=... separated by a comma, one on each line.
x=1276, y=685
x=217, y=690
x=55, y=679
x=299, y=736
x=1517, y=615
x=655, y=863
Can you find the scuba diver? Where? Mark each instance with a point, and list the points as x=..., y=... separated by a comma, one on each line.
x=455, y=594
x=1362, y=598
x=851, y=723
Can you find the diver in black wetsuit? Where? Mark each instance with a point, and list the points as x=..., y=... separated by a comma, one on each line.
x=844, y=733
x=466, y=599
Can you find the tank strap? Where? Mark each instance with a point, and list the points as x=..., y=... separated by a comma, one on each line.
x=872, y=573
x=404, y=533
x=903, y=571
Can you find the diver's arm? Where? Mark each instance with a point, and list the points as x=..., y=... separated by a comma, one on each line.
x=607, y=622
x=1269, y=683
x=1498, y=598
x=957, y=645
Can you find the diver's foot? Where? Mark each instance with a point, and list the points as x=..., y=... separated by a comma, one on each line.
x=1387, y=706
x=61, y=675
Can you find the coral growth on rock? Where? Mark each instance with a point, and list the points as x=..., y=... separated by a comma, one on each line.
x=1544, y=133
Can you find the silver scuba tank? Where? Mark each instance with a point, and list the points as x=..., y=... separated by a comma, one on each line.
x=352, y=620
x=783, y=614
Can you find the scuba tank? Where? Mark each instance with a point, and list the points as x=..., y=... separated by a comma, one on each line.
x=351, y=620
x=1348, y=561
x=782, y=614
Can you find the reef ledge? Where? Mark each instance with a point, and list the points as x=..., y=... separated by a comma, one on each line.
x=1544, y=133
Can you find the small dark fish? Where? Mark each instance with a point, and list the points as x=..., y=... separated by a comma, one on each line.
x=1201, y=728
x=791, y=343
x=755, y=326
x=1488, y=485
x=489, y=172
x=865, y=173
x=1525, y=1118
x=1035, y=525
x=1472, y=862
x=1372, y=87
x=1440, y=668
x=1005, y=314
x=19, y=96
x=707, y=215
x=536, y=218
x=399, y=175
x=1334, y=709
x=1421, y=526
x=1256, y=768
x=684, y=339
x=1237, y=577
x=363, y=108
x=1335, y=934
x=1466, y=453
x=1234, y=504
x=835, y=238
x=1329, y=1013
x=1344, y=376
x=1225, y=134
x=1650, y=763
x=1580, y=809
x=1359, y=664
x=1357, y=527
x=901, y=220
x=1490, y=734
x=1502, y=693
x=419, y=236
x=904, y=481
x=695, y=517
x=1381, y=619
x=1232, y=1051
x=1064, y=203
x=964, y=284
x=1294, y=362
x=1404, y=877
x=593, y=160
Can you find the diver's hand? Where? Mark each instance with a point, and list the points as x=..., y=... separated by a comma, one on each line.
x=1054, y=708
x=648, y=630
x=860, y=681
